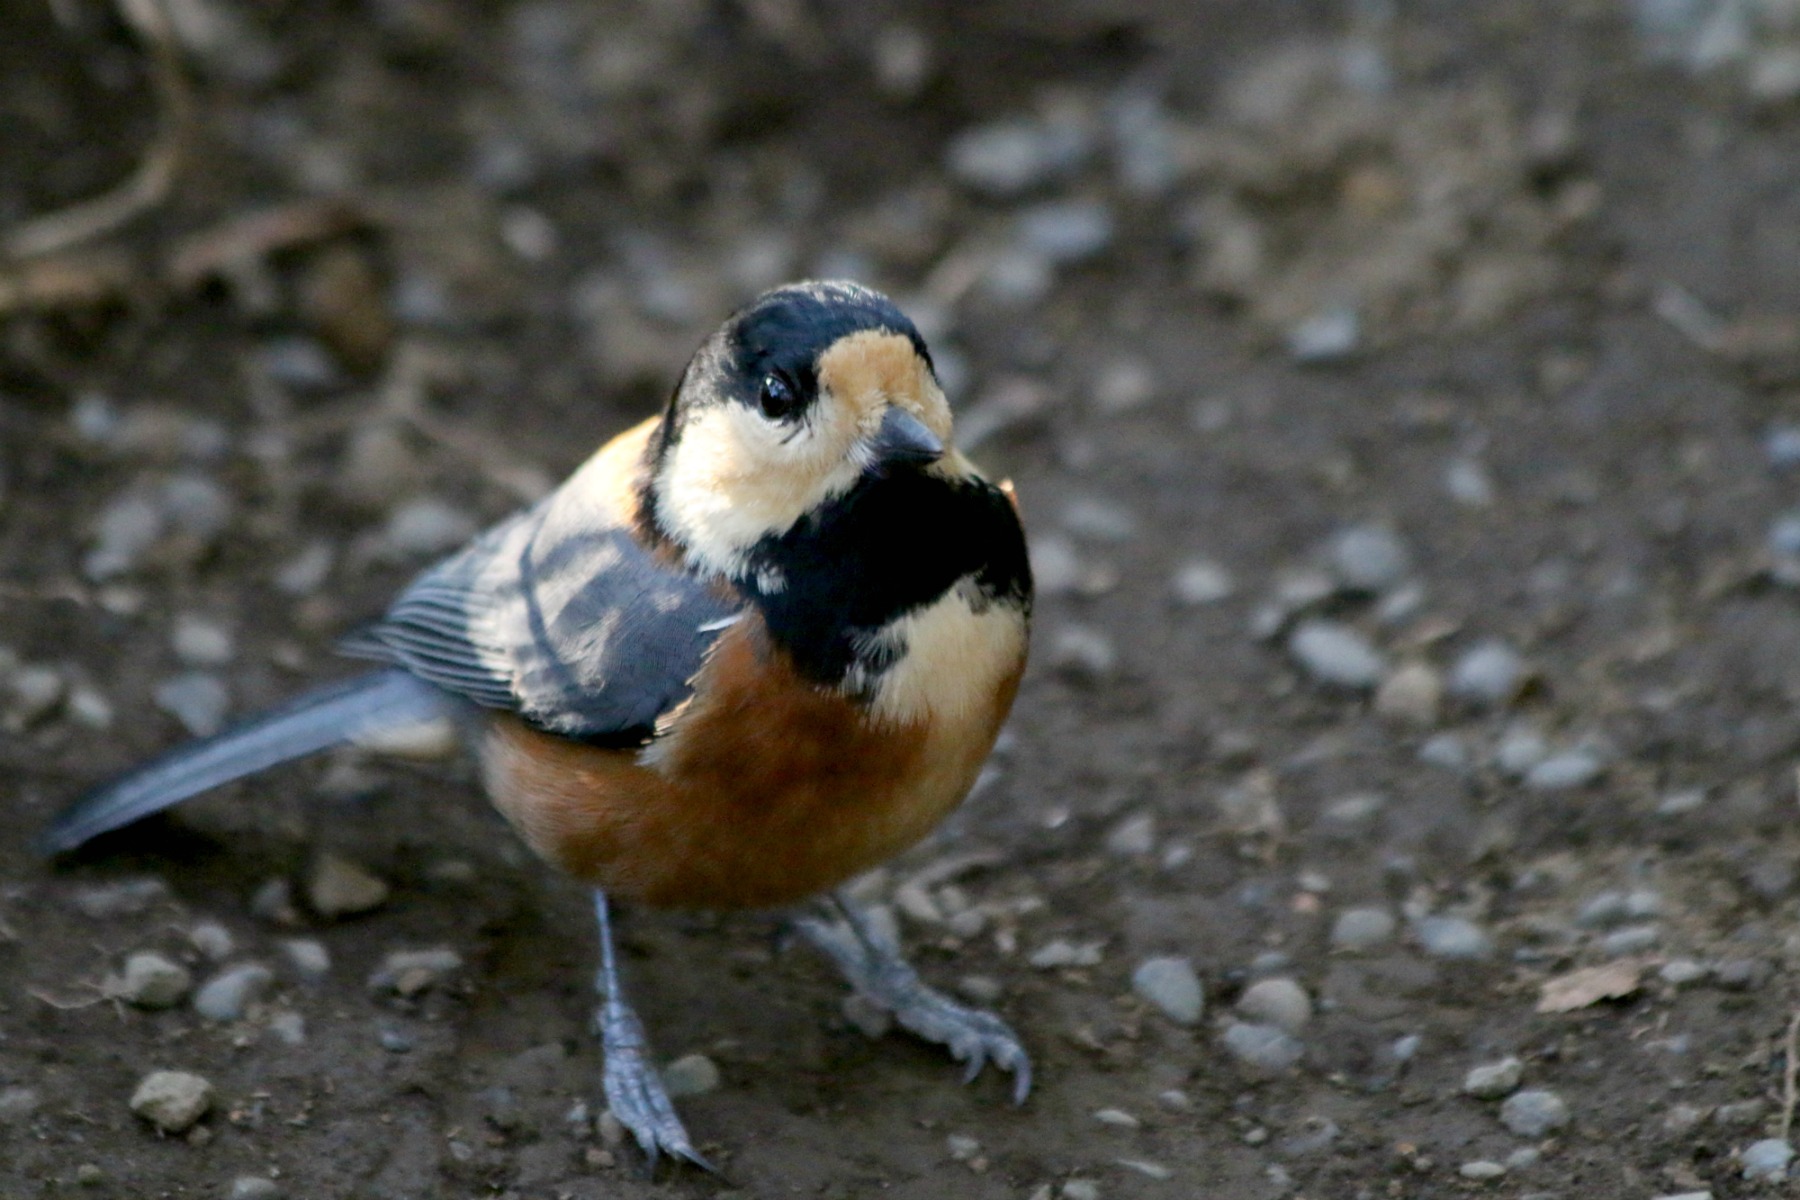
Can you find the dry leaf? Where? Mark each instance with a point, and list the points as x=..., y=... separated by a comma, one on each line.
x=1590, y=985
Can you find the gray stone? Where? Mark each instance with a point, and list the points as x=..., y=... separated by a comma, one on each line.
x=1481, y=1170
x=1767, y=1159
x=690, y=1075
x=1490, y=673
x=150, y=980
x=18, y=1104
x=197, y=699
x=254, y=1187
x=1134, y=837
x=1358, y=929
x=337, y=887
x=1061, y=952
x=1122, y=385
x=1008, y=158
x=1534, y=1113
x=126, y=531
x=1200, y=582
x=199, y=642
x=1098, y=519
x=227, y=995
x=1679, y=972
x=1066, y=231
x=1263, y=1049
x=1446, y=750
x=1452, y=938
x=424, y=527
x=1411, y=695
x=172, y=1100
x=409, y=972
x=1743, y=974
x=1326, y=337
x=1083, y=653
x=1335, y=654
x=308, y=956
x=1279, y=1002
x=1632, y=939
x=1521, y=749
x=34, y=693
x=1170, y=984
x=1565, y=771
x=212, y=940
x=1490, y=1081
x=1467, y=482
x=1369, y=558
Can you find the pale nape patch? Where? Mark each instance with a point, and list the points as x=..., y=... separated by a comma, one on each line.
x=957, y=651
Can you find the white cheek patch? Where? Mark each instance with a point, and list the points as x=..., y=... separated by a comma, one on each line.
x=731, y=480
x=953, y=655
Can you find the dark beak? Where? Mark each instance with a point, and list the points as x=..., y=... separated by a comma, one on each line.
x=904, y=440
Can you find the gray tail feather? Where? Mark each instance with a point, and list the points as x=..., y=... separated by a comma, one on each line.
x=315, y=721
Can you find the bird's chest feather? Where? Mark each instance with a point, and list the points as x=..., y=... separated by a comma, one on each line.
x=766, y=787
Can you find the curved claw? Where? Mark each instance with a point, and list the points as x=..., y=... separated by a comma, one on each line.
x=636, y=1096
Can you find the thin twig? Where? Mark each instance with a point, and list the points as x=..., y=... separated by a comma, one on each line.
x=149, y=185
x=1790, y=1077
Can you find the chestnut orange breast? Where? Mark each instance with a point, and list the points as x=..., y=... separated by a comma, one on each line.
x=764, y=788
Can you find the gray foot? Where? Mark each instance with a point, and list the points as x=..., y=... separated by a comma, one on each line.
x=875, y=968
x=634, y=1089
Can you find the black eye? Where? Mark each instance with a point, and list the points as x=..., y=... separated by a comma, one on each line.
x=777, y=397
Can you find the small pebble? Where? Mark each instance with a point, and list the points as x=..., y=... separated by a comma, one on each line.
x=1279, y=1002
x=1326, y=337
x=308, y=956
x=1468, y=483
x=1767, y=1159
x=150, y=980
x=1520, y=750
x=1122, y=385
x=1201, y=581
x=1412, y=694
x=1083, y=653
x=172, y=1100
x=1490, y=1081
x=1134, y=837
x=1633, y=939
x=394, y=1041
x=273, y=901
x=199, y=642
x=1171, y=985
x=254, y=1187
x=1445, y=750
x=1063, y=953
x=228, y=994
x=1524, y=1158
x=1098, y=519
x=289, y=1027
x=1263, y=1048
x=1335, y=654
x=124, y=899
x=1081, y=1189
x=1481, y=1170
x=1565, y=771
x=1369, y=558
x=337, y=887
x=1743, y=974
x=1008, y=158
x=425, y=527
x=1118, y=1118
x=1358, y=929
x=1452, y=938
x=1065, y=231
x=409, y=972
x=197, y=699
x=89, y=1175
x=1534, y=1113
x=1679, y=972
x=962, y=1147
x=18, y=1103
x=1313, y=1135
x=1146, y=1168
x=691, y=1075
x=1488, y=673
x=34, y=694
x=212, y=940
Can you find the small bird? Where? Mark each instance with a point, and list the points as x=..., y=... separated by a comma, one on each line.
x=750, y=649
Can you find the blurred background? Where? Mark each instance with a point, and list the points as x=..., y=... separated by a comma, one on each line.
x=1404, y=399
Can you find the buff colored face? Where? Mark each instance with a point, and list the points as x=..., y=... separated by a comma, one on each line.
x=738, y=475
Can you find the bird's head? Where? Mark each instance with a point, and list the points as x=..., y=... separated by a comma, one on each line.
x=801, y=395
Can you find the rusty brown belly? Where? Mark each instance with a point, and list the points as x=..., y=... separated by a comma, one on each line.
x=764, y=791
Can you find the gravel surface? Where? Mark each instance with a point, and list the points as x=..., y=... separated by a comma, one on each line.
x=1403, y=403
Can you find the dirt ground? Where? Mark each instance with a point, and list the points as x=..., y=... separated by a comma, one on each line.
x=1405, y=402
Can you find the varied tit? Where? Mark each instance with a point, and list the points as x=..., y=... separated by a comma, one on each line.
x=751, y=648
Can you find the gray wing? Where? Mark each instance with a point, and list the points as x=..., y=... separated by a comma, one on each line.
x=580, y=630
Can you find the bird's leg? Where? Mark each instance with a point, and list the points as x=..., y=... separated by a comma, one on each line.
x=873, y=964
x=634, y=1089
